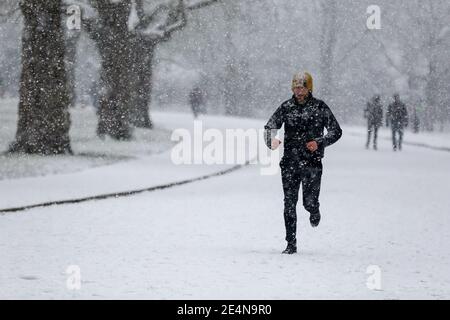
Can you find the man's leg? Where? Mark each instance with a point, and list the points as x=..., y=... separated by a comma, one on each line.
x=375, y=136
x=369, y=130
x=394, y=139
x=311, y=180
x=291, y=184
x=400, y=138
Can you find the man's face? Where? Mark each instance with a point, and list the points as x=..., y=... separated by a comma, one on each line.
x=300, y=92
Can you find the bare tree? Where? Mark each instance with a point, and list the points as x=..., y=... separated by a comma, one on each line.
x=43, y=125
x=110, y=32
x=127, y=33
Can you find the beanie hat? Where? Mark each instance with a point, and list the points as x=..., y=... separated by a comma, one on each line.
x=302, y=79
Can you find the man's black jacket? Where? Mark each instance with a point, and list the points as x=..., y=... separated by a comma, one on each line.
x=374, y=113
x=303, y=123
x=397, y=115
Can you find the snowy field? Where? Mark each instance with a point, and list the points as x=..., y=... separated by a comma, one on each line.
x=221, y=238
x=90, y=150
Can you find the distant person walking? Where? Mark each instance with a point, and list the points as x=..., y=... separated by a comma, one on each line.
x=196, y=100
x=397, y=118
x=374, y=115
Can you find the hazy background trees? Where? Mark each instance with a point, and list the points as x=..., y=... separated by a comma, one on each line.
x=243, y=55
x=418, y=55
x=330, y=39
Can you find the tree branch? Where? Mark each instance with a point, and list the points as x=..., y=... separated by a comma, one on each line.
x=175, y=18
x=194, y=5
x=145, y=20
x=162, y=30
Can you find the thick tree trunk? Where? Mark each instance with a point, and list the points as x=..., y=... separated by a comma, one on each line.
x=141, y=82
x=113, y=109
x=116, y=54
x=44, y=120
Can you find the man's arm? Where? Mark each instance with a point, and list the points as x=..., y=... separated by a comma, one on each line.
x=388, y=115
x=405, y=116
x=334, y=131
x=380, y=115
x=270, y=129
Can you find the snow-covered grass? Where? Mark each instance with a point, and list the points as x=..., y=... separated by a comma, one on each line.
x=90, y=151
x=142, y=172
x=221, y=238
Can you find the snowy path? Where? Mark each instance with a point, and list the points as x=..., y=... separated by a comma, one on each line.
x=143, y=172
x=221, y=238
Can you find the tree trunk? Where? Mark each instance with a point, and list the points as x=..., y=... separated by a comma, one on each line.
x=141, y=82
x=113, y=44
x=44, y=120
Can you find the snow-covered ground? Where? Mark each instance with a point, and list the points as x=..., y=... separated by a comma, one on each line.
x=434, y=140
x=90, y=151
x=221, y=238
